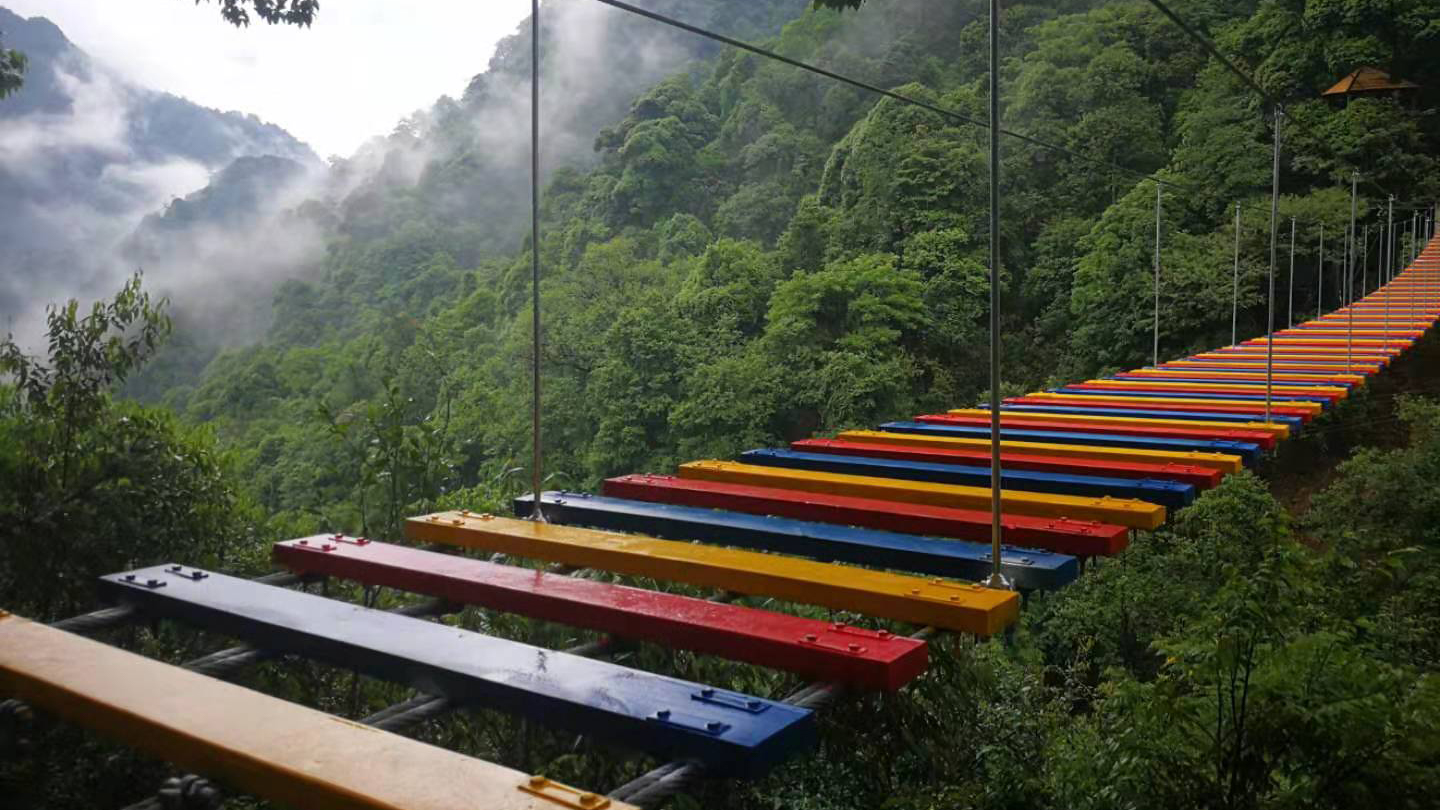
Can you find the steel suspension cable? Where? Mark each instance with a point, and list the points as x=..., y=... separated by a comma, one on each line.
x=536, y=457
x=996, y=579
x=1270, y=316
x=1235, y=282
x=876, y=89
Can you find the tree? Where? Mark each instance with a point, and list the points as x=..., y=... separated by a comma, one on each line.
x=88, y=485
x=286, y=12
x=12, y=71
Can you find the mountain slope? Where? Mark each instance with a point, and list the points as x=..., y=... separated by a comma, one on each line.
x=84, y=154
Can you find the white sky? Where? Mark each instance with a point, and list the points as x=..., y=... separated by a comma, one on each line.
x=363, y=66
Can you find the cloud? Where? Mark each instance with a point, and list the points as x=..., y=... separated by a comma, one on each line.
x=364, y=64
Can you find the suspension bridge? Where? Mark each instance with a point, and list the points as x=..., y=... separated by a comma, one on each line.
x=939, y=524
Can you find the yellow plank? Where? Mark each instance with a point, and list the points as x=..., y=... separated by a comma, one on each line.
x=1239, y=388
x=1224, y=462
x=962, y=606
x=274, y=749
x=1281, y=431
x=1122, y=511
x=1218, y=404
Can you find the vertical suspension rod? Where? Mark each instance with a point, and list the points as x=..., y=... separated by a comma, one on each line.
x=536, y=457
x=1350, y=274
x=1365, y=260
x=1386, y=255
x=1235, y=282
x=997, y=579
x=1155, y=348
x=1270, y=313
x=1290, y=322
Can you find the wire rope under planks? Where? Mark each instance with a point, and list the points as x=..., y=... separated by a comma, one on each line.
x=264, y=745
x=809, y=647
x=732, y=733
x=1031, y=569
x=959, y=606
x=660, y=784
x=1076, y=537
x=1122, y=511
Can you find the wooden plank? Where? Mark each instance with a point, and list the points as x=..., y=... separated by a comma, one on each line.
x=276, y=750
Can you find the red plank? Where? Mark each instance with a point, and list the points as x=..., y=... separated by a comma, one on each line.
x=815, y=649
x=1200, y=477
x=1081, y=537
x=1265, y=440
x=1281, y=366
x=1120, y=385
x=1130, y=404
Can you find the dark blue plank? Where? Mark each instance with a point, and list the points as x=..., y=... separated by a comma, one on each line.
x=668, y=717
x=1249, y=451
x=1293, y=422
x=1029, y=569
x=1171, y=494
x=1157, y=394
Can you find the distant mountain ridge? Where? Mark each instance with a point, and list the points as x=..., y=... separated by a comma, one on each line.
x=85, y=155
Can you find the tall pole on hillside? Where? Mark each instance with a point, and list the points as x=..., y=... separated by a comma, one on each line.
x=1350, y=274
x=536, y=469
x=996, y=579
x=1235, y=282
x=1270, y=313
x=1389, y=235
x=1365, y=260
x=1155, y=348
x=1320, y=275
x=1290, y=322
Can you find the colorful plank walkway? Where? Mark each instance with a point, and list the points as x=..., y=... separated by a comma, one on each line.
x=1083, y=466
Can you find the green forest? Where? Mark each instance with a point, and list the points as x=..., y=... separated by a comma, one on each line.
x=753, y=254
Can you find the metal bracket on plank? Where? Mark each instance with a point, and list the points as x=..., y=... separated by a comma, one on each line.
x=919, y=593
x=851, y=648
x=562, y=794
x=689, y=722
x=730, y=701
x=152, y=584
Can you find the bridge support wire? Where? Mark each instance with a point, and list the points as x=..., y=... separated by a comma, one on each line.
x=1270, y=313
x=652, y=789
x=536, y=471
x=1155, y=332
x=1290, y=322
x=996, y=579
x=1365, y=260
x=1386, y=256
x=1350, y=276
x=1235, y=283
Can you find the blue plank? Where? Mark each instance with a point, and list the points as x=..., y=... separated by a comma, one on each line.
x=1249, y=451
x=1293, y=422
x=1324, y=402
x=1029, y=569
x=1198, y=379
x=670, y=718
x=1171, y=494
